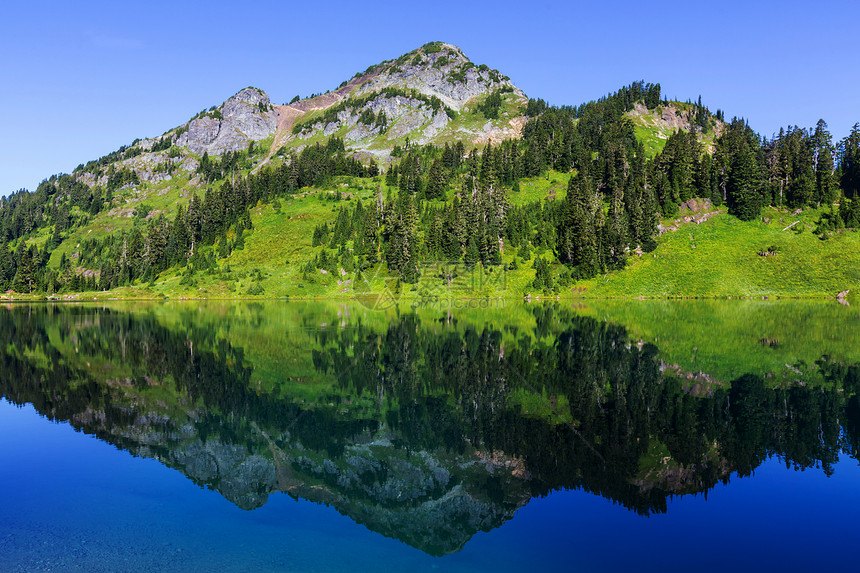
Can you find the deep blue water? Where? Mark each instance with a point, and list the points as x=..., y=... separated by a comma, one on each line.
x=303, y=437
x=72, y=502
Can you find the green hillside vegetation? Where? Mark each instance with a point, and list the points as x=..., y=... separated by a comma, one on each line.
x=653, y=132
x=726, y=257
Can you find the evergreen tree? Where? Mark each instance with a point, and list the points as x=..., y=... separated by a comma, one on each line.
x=401, y=237
x=472, y=255
x=7, y=267
x=25, y=275
x=524, y=252
x=543, y=275
x=436, y=183
x=615, y=233
x=744, y=187
x=577, y=241
x=824, y=167
x=391, y=176
x=368, y=244
x=849, y=165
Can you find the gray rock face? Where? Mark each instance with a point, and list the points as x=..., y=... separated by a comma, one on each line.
x=432, y=75
x=394, y=107
x=189, y=164
x=404, y=114
x=87, y=179
x=331, y=128
x=242, y=122
x=437, y=124
x=446, y=74
x=361, y=132
x=409, y=122
x=150, y=168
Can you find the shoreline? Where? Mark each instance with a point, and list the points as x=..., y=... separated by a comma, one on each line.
x=527, y=298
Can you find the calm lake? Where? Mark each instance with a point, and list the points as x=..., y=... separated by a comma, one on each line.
x=287, y=436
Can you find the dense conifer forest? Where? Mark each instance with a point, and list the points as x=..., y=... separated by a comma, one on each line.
x=450, y=203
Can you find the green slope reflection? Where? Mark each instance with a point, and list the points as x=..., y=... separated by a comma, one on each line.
x=423, y=427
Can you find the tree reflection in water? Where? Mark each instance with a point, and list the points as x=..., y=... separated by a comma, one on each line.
x=423, y=429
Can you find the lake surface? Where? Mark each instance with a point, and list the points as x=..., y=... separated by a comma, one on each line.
x=494, y=437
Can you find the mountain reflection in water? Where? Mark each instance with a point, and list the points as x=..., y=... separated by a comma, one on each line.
x=423, y=427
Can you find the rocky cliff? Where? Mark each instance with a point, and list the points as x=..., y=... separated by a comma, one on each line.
x=436, y=69
x=418, y=95
x=247, y=116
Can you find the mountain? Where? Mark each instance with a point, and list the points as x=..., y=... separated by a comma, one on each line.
x=426, y=95
x=430, y=158
x=429, y=95
x=247, y=116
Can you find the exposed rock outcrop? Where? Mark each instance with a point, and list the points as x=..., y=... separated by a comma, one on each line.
x=245, y=117
x=447, y=74
x=669, y=118
x=431, y=85
x=150, y=167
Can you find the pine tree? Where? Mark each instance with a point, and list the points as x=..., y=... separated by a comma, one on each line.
x=615, y=233
x=635, y=206
x=577, y=240
x=495, y=254
x=7, y=267
x=436, y=184
x=524, y=252
x=391, y=176
x=472, y=255
x=543, y=275
x=824, y=184
x=25, y=276
x=849, y=164
x=367, y=244
x=744, y=187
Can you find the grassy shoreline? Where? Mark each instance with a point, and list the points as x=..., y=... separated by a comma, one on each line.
x=718, y=258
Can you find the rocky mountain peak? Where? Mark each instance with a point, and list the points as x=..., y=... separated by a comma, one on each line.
x=413, y=98
x=248, y=97
x=247, y=116
x=435, y=69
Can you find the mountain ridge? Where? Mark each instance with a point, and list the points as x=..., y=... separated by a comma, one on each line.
x=431, y=158
x=427, y=95
x=403, y=89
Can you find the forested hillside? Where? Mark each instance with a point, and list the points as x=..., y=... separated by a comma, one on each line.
x=574, y=195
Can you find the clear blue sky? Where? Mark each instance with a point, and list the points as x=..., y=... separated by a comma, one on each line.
x=80, y=79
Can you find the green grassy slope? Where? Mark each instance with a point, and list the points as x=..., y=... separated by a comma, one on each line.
x=653, y=132
x=717, y=258
x=720, y=258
